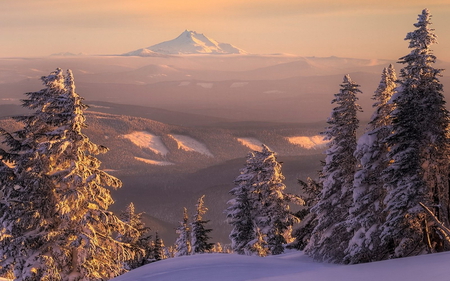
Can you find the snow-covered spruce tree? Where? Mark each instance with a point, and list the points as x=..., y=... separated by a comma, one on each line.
x=419, y=150
x=261, y=207
x=273, y=216
x=54, y=212
x=29, y=204
x=137, y=237
x=367, y=212
x=240, y=213
x=159, y=251
x=311, y=190
x=183, y=245
x=199, y=233
x=329, y=238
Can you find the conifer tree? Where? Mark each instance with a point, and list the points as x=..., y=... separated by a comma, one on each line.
x=159, y=252
x=137, y=237
x=419, y=149
x=273, y=216
x=240, y=213
x=183, y=245
x=329, y=238
x=311, y=190
x=260, y=209
x=367, y=212
x=199, y=233
x=54, y=212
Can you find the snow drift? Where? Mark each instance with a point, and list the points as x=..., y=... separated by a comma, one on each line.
x=292, y=266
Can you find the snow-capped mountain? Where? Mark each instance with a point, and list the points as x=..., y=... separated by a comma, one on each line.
x=189, y=42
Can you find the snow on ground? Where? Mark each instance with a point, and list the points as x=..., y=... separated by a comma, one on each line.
x=292, y=266
x=184, y=83
x=189, y=144
x=147, y=140
x=313, y=142
x=252, y=143
x=206, y=85
x=238, y=84
x=154, y=162
x=273, y=92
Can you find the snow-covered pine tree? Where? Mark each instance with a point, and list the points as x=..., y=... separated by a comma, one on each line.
x=199, y=233
x=311, y=192
x=272, y=212
x=419, y=150
x=183, y=245
x=240, y=213
x=54, y=212
x=260, y=207
x=137, y=237
x=330, y=237
x=159, y=251
x=367, y=212
x=29, y=205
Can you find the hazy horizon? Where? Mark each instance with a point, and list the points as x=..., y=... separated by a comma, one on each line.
x=358, y=29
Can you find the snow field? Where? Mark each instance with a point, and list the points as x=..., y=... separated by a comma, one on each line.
x=313, y=142
x=291, y=266
x=252, y=143
x=147, y=140
x=238, y=84
x=206, y=85
x=187, y=143
x=154, y=162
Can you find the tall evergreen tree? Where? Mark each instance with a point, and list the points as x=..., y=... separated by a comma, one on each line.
x=159, y=251
x=137, y=237
x=261, y=207
x=330, y=237
x=199, y=233
x=183, y=244
x=308, y=221
x=367, y=212
x=57, y=226
x=273, y=216
x=419, y=148
x=240, y=212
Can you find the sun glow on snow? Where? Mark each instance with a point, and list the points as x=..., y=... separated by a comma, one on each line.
x=154, y=162
x=313, y=142
x=187, y=143
x=147, y=140
x=252, y=143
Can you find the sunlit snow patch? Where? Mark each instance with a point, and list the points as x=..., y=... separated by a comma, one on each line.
x=252, y=143
x=98, y=106
x=147, y=140
x=184, y=83
x=154, y=162
x=238, y=84
x=313, y=142
x=205, y=85
x=273, y=92
x=189, y=144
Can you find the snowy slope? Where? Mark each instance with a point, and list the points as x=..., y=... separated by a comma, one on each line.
x=252, y=143
x=292, y=266
x=314, y=142
x=148, y=140
x=189, y=144
x=189, y=42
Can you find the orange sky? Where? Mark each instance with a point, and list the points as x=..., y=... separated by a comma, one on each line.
x=351, y=28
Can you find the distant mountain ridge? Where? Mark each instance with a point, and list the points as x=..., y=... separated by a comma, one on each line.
x=188, y=42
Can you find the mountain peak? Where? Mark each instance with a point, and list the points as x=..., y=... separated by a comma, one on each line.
x=192, y=42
